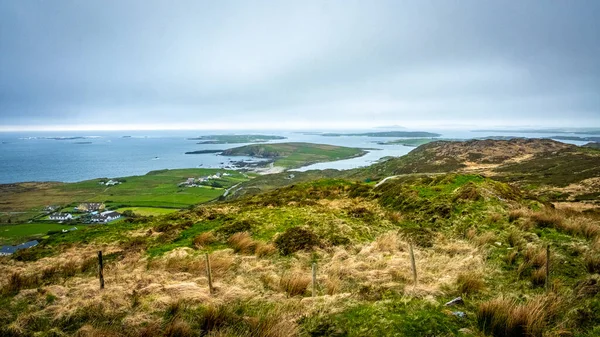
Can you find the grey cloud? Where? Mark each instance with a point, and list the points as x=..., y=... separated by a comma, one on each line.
x=65, y=61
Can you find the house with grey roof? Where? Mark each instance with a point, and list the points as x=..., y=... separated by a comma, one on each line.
x=9, y=250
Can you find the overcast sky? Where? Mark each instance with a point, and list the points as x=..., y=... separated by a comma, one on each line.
x=298, y=64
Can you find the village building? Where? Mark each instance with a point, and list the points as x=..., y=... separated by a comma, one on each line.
x=105, y=217
x=90, y=206
x=61, y=216
x=111, y=215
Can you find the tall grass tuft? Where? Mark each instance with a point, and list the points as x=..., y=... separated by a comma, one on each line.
x=503, y=317
x=242, y=243
x=178, y=328
x=548, y=219
x=204, y=239
x=17, y=281
x=265, y=249
x=538, y=277
x=592, y=262
x=294, y=284
x=470, y=283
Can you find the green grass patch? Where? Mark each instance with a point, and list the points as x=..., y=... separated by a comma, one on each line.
x=14, y=234
x=293, y=155
x=396, y=317
x=147, y=211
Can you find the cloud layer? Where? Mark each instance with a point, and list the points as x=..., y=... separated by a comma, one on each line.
x=303, y=63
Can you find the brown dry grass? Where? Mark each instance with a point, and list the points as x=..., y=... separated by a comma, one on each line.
x=470, y=283
x=505, y=317
x=142, y=287
x=265, y=249
x=242, y=243
x=294, y=284
x=204, y=239
x=485, y=238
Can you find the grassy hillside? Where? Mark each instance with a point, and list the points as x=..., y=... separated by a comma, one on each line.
x=294, y=155
x=485, y=231
x=472, y=236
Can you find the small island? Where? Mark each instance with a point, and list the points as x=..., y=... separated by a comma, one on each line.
x=294, y=155
x=421, y=134
x=204, y=151
x=235, y=139
x=414, y=142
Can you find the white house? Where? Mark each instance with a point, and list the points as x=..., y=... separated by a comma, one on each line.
x=105, y=217
x=110, y=215
x=61, y=216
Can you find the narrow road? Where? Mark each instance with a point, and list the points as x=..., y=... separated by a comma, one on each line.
x=229, y=189
x=408, y=174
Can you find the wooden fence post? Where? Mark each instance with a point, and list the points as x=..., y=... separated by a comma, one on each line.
x=314, y=279
x=100, y=269
x=548, y=267
x=413, y=264
x=209, y=274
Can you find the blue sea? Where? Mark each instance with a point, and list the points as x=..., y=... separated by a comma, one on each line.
x=36, y=156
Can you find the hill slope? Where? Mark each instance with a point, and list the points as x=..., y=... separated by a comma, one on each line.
x=473, y=235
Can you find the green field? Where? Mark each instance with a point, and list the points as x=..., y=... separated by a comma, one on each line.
x=15, y=234
x=147, y=211
x=157, y=189
x=294, y=155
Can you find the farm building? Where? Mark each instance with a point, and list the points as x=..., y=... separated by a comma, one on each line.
x=61, y=216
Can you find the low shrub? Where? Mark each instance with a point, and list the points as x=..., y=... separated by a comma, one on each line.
x=420, y=236
x=468, y=192
x=295, y=239
x=235, y=227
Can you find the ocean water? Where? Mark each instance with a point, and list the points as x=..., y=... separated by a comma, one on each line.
x=34, y=156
